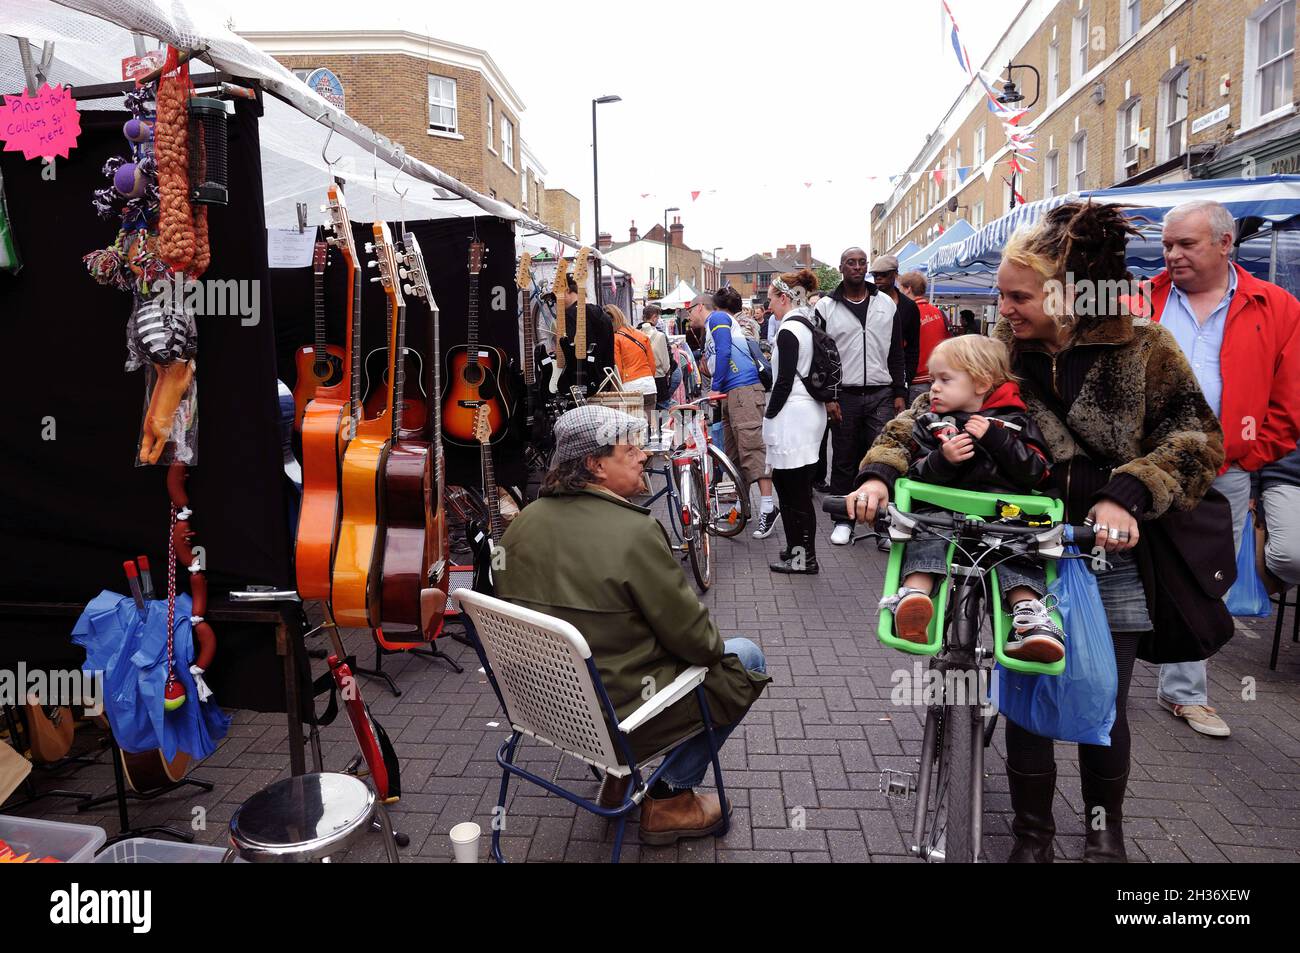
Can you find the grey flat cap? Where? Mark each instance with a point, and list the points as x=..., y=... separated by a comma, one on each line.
x=590, y=427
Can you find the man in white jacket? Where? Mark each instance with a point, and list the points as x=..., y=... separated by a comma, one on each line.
x=862, y=322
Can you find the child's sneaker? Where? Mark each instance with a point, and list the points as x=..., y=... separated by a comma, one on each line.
x=912, y=610
x=1034, y=637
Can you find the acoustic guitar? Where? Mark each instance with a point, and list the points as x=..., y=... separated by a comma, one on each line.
x=415, y=407
x=405, y=566
x=318, y=364
x=474, y=374
x=355, y=592
x=327, y=427
x=49, y=731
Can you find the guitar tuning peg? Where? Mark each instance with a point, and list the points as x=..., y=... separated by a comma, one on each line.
x=408, y=288
x=376, y=278
x=370, y=248
x=373, y=263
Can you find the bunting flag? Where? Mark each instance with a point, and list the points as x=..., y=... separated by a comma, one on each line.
x=963, y=172
x=938, y=175
x=694, y=196
x=1018, y=197
x=954, y=37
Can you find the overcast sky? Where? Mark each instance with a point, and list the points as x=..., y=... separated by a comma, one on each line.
x=743, y=102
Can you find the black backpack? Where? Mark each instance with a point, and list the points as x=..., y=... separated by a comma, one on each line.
x=825, y=374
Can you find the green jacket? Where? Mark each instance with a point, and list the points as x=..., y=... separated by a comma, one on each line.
x=605, y=566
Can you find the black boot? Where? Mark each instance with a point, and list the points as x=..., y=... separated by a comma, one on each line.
x=1034, y=826
x=1103, y=807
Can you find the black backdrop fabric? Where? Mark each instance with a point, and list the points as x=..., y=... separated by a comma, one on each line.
x=444, y=243
x=73, y=508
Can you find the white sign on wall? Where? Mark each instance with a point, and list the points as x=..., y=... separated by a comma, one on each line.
x=1210, y=119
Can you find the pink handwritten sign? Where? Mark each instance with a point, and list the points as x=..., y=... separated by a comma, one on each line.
x=46, y=124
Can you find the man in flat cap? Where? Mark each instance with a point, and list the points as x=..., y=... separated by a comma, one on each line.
x=584, y=554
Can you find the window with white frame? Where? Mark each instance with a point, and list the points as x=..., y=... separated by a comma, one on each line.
x=1006, y=194
x=442, y=103
x=1269, y=62
x=977, y=214
x=1079, y=47
x=1130, y=19
x=491, y=123
x=978, y=158
x=1173, y=110
x=1079, y=161
x=507, y=142
x=1053, y=72
x=1051, y=174
x=1130, y=127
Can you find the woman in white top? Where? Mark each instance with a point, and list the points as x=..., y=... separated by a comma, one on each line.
x=794, y=422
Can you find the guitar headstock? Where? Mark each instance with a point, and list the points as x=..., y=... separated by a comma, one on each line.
x=340, y=225
x=386, y=260
x=561, y=287
x=411, y=268
x=477, y=252
x=318, y=257
x=524, y=279
x=580, y=268
x=483, y=424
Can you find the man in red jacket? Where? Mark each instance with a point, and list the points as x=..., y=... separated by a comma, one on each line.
x=933, y=329
x=1242, y=337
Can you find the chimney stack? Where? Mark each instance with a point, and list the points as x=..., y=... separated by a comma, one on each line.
x=805, y=255
x=675, y=231
x=604, y=240
x=632, y=234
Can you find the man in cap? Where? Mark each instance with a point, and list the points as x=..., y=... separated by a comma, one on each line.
x=864, y=324
x=584, y=554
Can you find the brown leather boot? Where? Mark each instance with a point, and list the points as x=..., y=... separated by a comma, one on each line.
x=686, y=814
x=613, y=791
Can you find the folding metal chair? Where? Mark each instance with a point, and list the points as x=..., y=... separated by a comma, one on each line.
x=543, y=673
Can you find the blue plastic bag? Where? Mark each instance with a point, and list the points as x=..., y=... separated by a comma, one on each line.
x=1248, y=598
x=1079, y=704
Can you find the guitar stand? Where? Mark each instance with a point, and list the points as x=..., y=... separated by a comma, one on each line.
x=121, y=795
x=29, y=782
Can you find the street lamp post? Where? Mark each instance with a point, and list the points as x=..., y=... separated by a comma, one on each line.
x=595, y=184
x=717, y=271
x=1012, y=95
x=664, y=292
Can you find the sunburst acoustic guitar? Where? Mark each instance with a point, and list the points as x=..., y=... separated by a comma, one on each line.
x=327, y=427
x=318, y=364
x=474, y=374
x=355, y=592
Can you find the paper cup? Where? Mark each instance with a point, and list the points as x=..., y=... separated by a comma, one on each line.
x=464, y=842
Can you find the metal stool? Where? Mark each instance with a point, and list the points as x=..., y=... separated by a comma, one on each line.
x=306, y=819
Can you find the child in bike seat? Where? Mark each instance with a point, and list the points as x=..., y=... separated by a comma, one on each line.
x=976, y=436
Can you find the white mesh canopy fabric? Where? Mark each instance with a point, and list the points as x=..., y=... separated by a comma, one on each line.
x=91, y=37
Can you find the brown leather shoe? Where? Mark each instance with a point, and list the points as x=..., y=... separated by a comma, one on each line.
x=684, y=815
x=613, y=791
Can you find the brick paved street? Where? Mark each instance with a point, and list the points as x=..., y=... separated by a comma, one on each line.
x=813, y=747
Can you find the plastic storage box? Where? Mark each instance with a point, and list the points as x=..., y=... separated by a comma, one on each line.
x=146, y=850
x=70, y=843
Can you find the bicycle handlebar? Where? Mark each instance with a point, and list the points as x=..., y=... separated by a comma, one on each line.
x=1083, y=536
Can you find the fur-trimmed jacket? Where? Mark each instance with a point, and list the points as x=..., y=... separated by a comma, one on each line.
x=1121, y=413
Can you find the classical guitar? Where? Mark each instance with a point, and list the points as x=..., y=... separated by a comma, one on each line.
x=327, y=427
x=483, y=537
x=474, y=374
x=560, y=291
x=355, y=592
x=318, y=364
x=408, y=507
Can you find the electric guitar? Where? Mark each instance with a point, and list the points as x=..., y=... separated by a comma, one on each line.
x=557, y=363
x=528, y=322
x=579, y=360
x=483, y=537
x=474, y=374
x=376, y=750
x=408, y=503
x=327, y=426
x=355, y=589
x=318, y=364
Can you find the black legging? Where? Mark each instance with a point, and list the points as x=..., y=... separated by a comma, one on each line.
x=1029, y=753
x=798, y=518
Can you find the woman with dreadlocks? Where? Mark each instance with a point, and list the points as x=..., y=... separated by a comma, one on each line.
x=1131, y=438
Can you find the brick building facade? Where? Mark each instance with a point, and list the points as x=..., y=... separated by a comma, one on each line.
x=1131, y=91
x=643, y=256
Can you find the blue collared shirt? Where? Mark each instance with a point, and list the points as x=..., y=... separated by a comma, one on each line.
x=1201, y=343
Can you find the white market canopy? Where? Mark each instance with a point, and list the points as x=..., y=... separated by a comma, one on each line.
x=91, y=37
x=680, y=297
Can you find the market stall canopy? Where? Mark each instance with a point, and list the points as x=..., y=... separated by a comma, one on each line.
x=907, y=251
x=680, y=297
x=91, y=37
x=973, y=261
x=958, y=231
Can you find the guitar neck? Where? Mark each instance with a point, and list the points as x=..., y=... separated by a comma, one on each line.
x=496, y=526
x=580, y=336
x=397, y=365
x=319, y=297
x=354, y=332
x=530, y=337
x=472, y=340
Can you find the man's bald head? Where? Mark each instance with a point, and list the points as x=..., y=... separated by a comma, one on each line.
x=853, y=251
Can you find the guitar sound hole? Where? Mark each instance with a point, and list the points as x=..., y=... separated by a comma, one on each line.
x=473, y=374
x=329, y=372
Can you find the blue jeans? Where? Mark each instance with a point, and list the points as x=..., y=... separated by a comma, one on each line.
x=694, y=757
x=1186, y=683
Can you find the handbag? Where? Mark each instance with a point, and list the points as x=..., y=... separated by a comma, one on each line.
x=1187, y=564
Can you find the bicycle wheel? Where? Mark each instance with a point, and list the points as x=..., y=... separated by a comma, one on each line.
x=961, y=726
x=737, y=514
x=697, y=535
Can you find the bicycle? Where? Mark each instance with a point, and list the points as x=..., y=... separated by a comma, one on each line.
x=984, y=530
x=700, y=505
